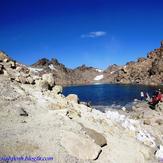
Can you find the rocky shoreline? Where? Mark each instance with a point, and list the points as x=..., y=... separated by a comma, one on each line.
x=38, y=120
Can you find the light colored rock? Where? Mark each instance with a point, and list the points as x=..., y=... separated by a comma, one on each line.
x=73, y=113
x=147, y=122
x=159, y=121
x=80, y=146
x=159, y=153
x=49, y=78
x=61, y=104
x=4, y=57
x=96, y=136
x=57, y=89
x=12, y=64
x=21, y=79
x=6, y=60
x=30, y=80
x=18, y=68
x=42, y=84
x=73, y=98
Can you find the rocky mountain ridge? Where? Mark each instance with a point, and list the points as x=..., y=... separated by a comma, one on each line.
x=148, y=71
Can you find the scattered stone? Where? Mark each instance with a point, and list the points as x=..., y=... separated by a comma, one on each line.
x=42, y=84
x=5, y=73
x=73, y=97
x=21, y=79
x=6, y=60
x=159, y=121
x=23, y=113
x=49, y=78
x=80, y=146
x=96, y=136
x=147, y=122
x=62, y=104
x=88, y=104
x=57, y=89
x=30, y=80
x=12, y=64
x=73, y=113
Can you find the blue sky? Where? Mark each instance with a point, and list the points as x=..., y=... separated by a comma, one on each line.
x=92, y=32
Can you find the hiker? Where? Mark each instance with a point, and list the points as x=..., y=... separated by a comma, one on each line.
x=142, y=95
x=156, y=98
x=159, y=96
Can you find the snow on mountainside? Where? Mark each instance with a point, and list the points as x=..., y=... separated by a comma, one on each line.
x=99, y=77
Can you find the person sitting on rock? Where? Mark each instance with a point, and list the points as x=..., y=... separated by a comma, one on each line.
x=156, y=98
x=159, y=96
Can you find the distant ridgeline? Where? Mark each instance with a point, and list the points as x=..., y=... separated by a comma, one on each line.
x=148, y=71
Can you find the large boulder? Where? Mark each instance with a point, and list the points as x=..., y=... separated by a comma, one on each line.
x=80, y=146
x=42, y=84
x=60, y=104
x=30, y=80
x=98, y=138
x=73, y=98
x=57, y=89
x=21, y=79
x=73, y=113
x=49, y=78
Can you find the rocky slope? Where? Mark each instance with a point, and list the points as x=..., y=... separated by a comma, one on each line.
x=37, y=120
x=66, y=76
x=148, y=71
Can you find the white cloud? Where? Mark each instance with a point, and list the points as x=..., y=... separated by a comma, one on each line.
x=94, y=34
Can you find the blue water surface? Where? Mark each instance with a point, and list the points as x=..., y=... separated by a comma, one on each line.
x=109, y=94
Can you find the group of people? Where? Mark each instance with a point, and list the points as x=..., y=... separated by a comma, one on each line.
x=156, y=98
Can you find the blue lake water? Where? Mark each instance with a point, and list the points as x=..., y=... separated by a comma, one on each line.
x=109, y=94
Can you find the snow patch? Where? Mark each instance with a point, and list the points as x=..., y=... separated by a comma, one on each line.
x=99, y=70
x=132, y=125
x=52, y=67
x=159, y=153
x=99, y=77
x=35, y=69
x=112, y=72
